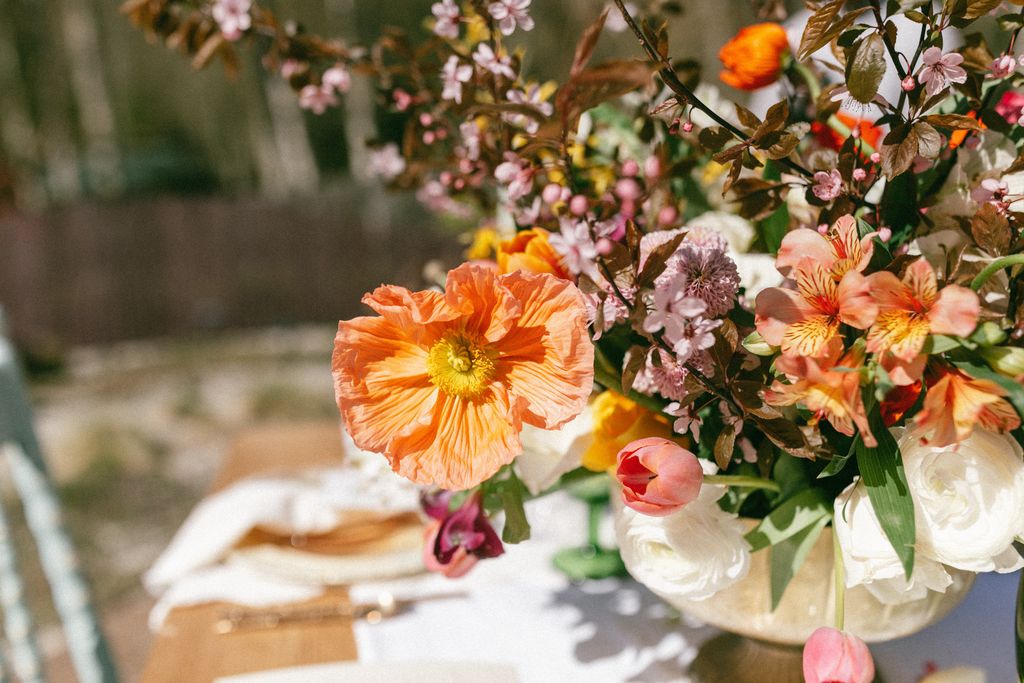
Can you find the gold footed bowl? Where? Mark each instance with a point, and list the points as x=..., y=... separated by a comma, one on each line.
x=762, y=646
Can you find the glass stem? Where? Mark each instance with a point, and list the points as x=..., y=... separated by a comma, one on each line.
x=595, y=511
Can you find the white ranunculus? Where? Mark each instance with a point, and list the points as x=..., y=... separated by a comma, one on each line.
x=869, y=558
x=691, y=554
x=757, y=272
x=969, y=499
x=550, y=453
x=736, y=230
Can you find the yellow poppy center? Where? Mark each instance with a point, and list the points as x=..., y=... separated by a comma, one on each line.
x=460, y=366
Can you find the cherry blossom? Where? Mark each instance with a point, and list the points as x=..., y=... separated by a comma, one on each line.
x=509, y=14
x=453, y=75
x=940, y=70
x=446, y=15
x=317, y=98
x=338, y=77
x=827, y=186
x=516, y=174
x=386, y=162
x=499, y=65
x=574, y=243
x=233, y=17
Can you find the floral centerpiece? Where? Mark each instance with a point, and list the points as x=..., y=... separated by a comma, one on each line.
x=762, y=326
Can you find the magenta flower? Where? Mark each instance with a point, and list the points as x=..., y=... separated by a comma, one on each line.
x=232, y=16
x=457, y=540
x=453, y=75
x=940, y=70
x=1011, y=106
x=509, y=13
x=831, y=656
x=446, y=16
x=1003, y=66
x=827, y=186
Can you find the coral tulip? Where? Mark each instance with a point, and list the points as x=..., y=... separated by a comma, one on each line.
x=831, y=656
x=658, y=476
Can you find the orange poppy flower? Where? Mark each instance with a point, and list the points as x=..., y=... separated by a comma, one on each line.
x=827, y=387
x=441, y=383
x=910, y=310
x=955, y=403
x=753, y=58
x=530, y=250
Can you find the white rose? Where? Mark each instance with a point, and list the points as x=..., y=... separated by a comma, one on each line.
x=691, y=554
x=969, y=499
x=869, y=558
x=550, y=453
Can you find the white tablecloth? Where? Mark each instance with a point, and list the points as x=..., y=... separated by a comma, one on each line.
x=519, y=610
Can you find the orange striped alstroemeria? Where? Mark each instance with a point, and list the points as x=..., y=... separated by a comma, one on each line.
x=956, y=403
x=840, y=250
x=829, y=386
x=806, y=320
x=909, y=310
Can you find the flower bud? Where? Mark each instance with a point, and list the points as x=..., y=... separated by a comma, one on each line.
x=908, y=84
x=578, y=205
x=831, y=656
x=658, y=476
x=1006, y=360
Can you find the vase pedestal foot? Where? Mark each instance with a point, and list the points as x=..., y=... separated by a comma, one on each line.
x=730, y=658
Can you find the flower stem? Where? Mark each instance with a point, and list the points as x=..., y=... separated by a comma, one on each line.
x=742, y=481
x=994, y=267
x=840, y=580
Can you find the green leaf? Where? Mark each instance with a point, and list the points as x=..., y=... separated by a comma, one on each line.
x=881, y=470
x=789, y=555
x=1013, y=387
x=940, y=343
x=774, y=228
x=796, y=514
x=517, y=527
x=837, y=464
x=865, y=70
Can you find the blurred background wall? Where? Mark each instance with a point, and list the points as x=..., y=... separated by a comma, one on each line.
x=139, y=198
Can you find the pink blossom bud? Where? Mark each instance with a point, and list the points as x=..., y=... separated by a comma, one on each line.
x=459, y=184
x=441, y=133
x=630, y=168
x=885, y=234
x=426, y=119
x=290, y=67
x=831, y=656
x=823, y=228
x=658, y=476
x=688, y=126
x=667, y=215
x=908, y=84
x=604, y=246
x=652, y=167
x=551, y=193
x=876, y=158
x=402, y=99
x=1003, y=66
x=428, y=137
x=578, y=205
x=859, y=174
x=445, y=177
x=627, y=189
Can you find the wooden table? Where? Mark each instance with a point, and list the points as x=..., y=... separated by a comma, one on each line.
x=188, y=649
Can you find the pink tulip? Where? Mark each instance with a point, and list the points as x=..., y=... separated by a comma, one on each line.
x=658, y=476
x=832, y=656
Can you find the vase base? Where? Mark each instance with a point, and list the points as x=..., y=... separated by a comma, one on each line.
x=729, y=658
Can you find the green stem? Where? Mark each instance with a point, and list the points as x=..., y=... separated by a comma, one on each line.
x=742, y=481
x=595, y=512
x=994, y=267
x=840, y=580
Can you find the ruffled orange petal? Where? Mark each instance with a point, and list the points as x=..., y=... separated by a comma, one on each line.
x=955, y=312
x=420, y=314
x=547, y=359
x=380, y=382
x=490, y=309
x=465, y=442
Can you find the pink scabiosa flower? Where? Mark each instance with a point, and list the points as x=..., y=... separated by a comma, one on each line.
x=827, y=186
x=497, y=64
x=516, y=175
x=509, y=14
x=233, y=18
x=453, y=75
x=710, y=274
x=457, y=540
x=338, y=77
x=574, y=243
x=939, y=70
x=446, y=19
x=317, y=98
x=832, y=656
x=658, y=476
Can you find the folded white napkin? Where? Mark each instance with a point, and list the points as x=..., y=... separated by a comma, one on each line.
x=316, y=501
